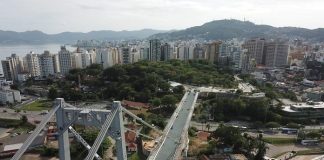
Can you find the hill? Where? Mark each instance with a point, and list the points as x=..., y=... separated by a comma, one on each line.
x=38, y=37
x=228, y=29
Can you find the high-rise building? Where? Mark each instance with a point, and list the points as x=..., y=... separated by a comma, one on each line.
x=134, y=56
x=235, y=54
x=276, y=53
x=32, y=60
x=212, y=51
x=185, y=53
x=76, y=60
x=11, y=67
x=85, y=59
x=125, y=55
x=65, y=59
x=248, y=63
x=166, y=52
x=256, y=49
x=155, y=50
x=56, y=63
x=107, y=57
x=199, y=52
x=8, y=70
x=92, y=54
x=144, y=53
x=46, y=62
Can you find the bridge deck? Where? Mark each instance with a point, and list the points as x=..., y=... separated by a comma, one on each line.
x=173, y=136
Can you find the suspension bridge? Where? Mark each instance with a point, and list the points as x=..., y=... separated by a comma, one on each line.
x=172, y=143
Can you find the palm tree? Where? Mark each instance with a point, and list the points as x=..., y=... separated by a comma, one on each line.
x=261, y=147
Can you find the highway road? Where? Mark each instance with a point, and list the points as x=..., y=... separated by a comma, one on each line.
x=173, y=135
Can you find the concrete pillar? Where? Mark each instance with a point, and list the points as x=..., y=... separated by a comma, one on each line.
x=119, y=135
x=63, y=137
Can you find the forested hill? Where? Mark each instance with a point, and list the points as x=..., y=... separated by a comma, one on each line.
x=228, y=29
x=142, y=81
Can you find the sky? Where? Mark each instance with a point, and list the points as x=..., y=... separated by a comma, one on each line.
x=54, y=16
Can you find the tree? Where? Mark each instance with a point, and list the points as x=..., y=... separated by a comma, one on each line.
x=178, y=89
x=228, y=135
x=52, y=93
x=314, y=135
x=272, y=125
x=293, y=125
x=169, y=100
x=239, y=91
x=78, y=151
x=24, y=119
x=156, y=102
x=262, y=150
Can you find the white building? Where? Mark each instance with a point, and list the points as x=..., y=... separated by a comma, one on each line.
x=33, y=64
x=46, y=61
x=107, y=57
x=92, y=55
x=9, y=96
x=76, y=60
x=65, y=60
x=11, y=67
x=185, y=52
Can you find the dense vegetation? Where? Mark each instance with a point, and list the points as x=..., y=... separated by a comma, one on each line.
x=269, y=90
x=226, y=109
x=142, y=81
x=230, y=137
x=78, y=151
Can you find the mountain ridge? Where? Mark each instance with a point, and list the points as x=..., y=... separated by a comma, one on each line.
x=39, y=37
x=230, y=28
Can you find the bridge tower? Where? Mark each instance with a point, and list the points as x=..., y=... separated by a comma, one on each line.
x=109, y=122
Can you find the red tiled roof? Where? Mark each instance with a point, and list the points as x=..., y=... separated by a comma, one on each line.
x=131, y=145
x=131, y=126
x=135, y=104
x=130, y=137
x=203, y=135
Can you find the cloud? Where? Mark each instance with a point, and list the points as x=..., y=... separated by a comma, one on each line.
x=85, y=15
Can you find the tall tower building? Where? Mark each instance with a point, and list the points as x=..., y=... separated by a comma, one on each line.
x=65, y=60
x=33, y=64
x=107, y=57
x=56, y=63
x=248, y=63
x=144, y=53
x=11, y=67
x=8, y=70
x=199, y=52
x=166, y=51
x=256, y=49
x=46, y=62
x=212, y=51
x=92, y=54
x=185, y=53
x=125, y=55
x=155, y=50
x=276, y=53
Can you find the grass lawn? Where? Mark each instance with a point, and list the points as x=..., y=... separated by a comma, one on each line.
x=38, y=105
x=310, y=152
x=24, y=128
x=279, y=140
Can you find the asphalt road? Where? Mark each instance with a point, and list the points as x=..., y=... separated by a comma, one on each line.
x=171, y=142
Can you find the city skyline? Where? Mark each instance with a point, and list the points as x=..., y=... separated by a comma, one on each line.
x=60, y=16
